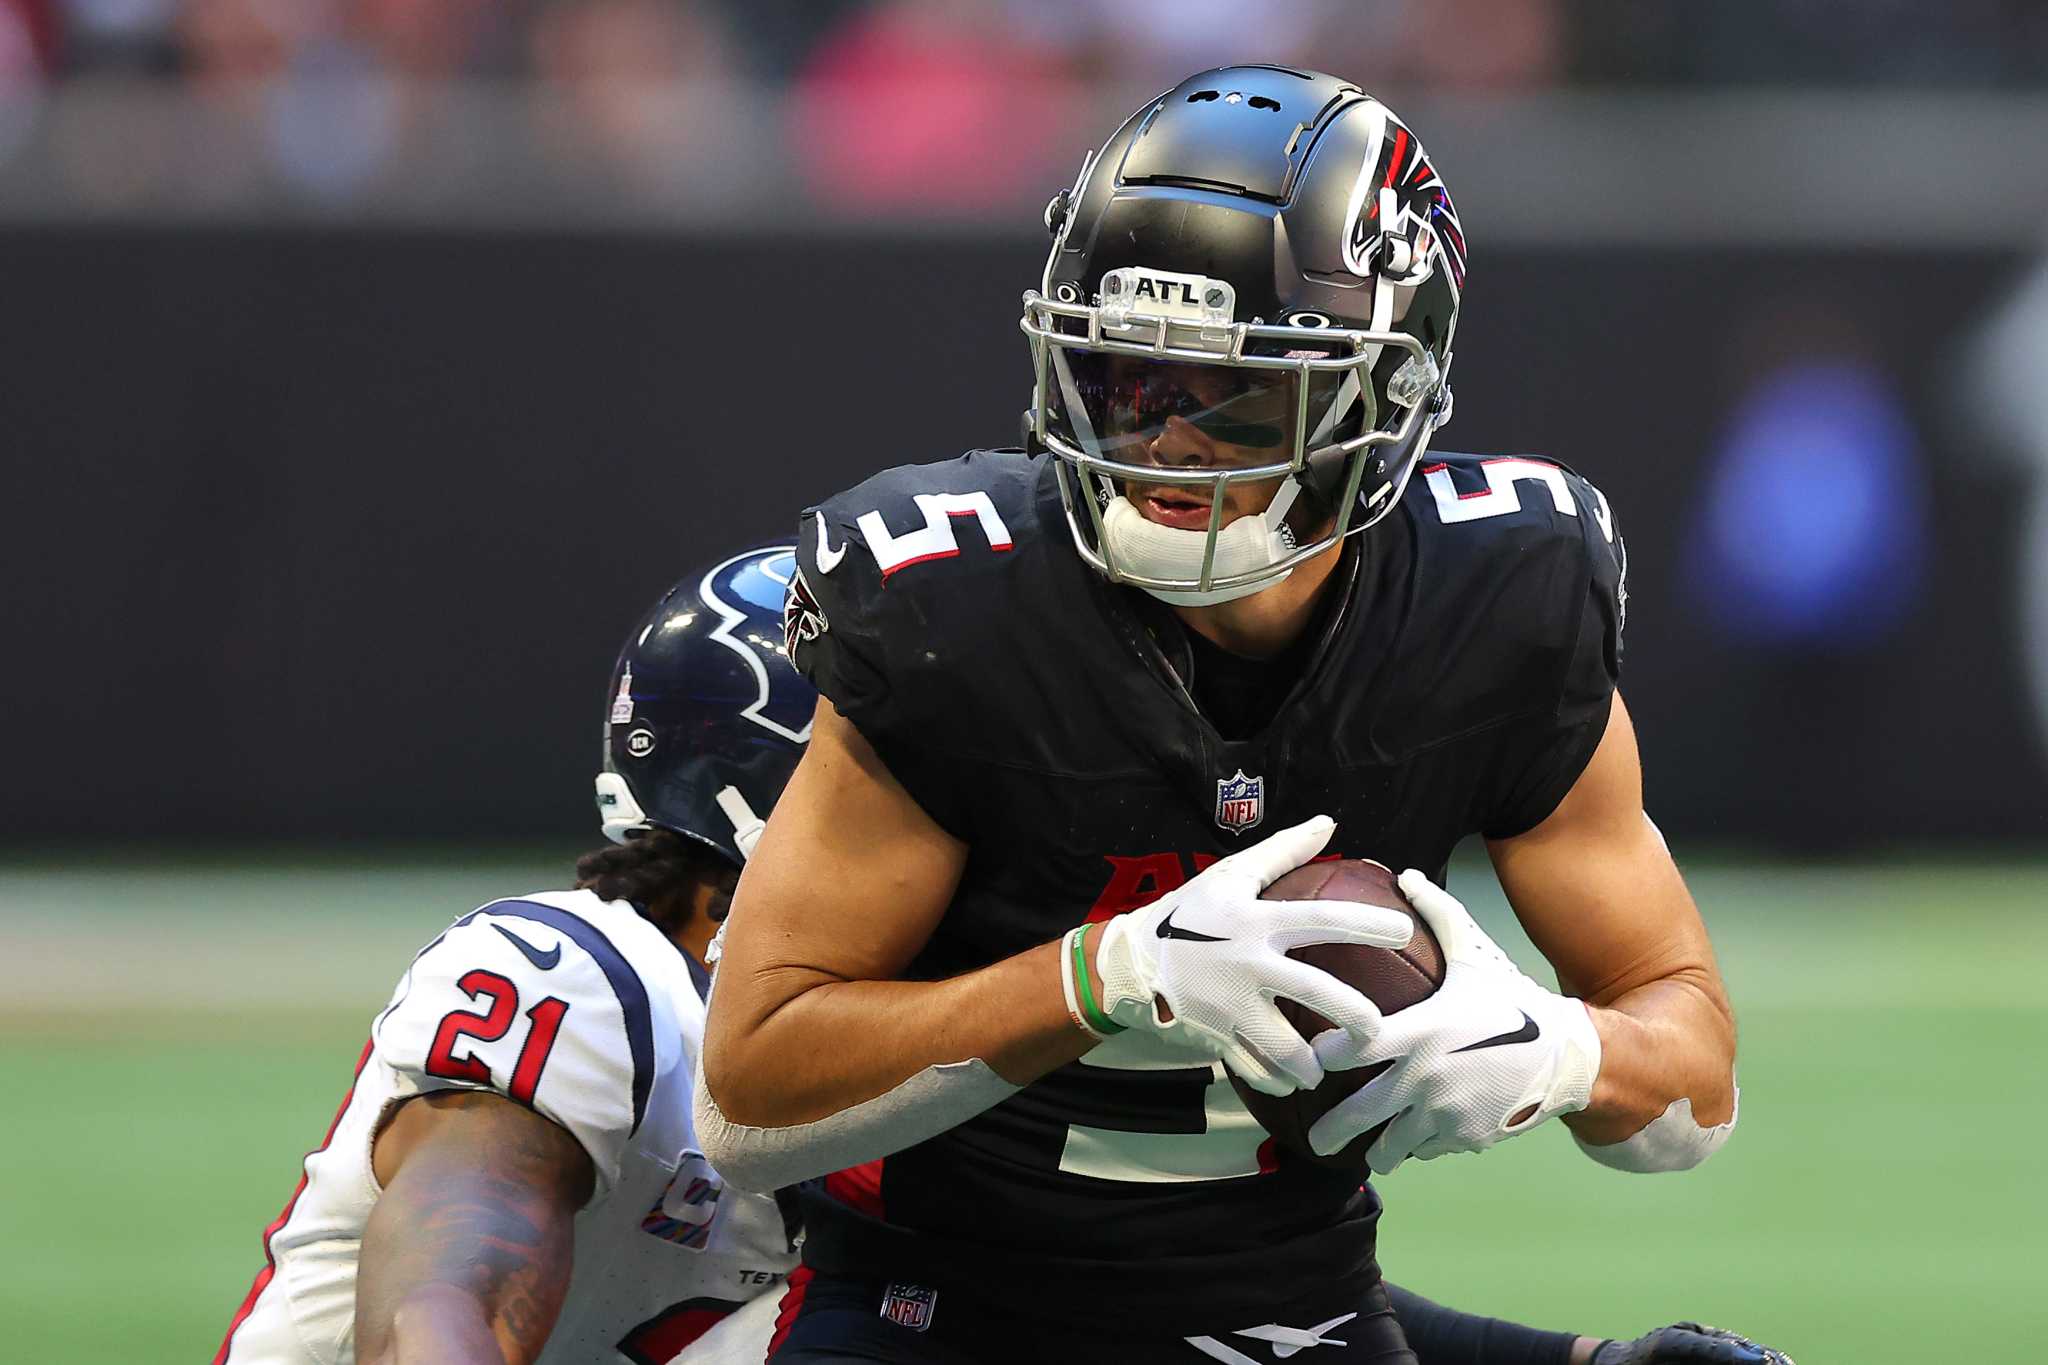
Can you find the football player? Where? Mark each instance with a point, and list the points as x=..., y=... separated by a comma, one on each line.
x=513, y=1176
x=1003, y=938
x=705, y=718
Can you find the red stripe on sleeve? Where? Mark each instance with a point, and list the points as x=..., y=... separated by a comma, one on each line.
x=263, y=1276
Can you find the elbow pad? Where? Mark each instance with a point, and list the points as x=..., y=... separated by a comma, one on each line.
x=1670, y=1142
x=927, y=1104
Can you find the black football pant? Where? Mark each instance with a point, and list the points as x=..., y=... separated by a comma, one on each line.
x=842, y=1318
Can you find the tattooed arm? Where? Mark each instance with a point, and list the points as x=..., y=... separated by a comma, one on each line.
x=466, y=1256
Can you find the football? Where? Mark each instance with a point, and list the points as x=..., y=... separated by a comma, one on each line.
x=1391, y=978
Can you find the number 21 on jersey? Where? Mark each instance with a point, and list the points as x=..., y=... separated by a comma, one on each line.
x=465, y=1028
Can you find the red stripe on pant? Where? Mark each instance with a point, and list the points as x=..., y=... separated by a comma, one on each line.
x=858, y=1187
x=791, y=1305
x=263, y=1276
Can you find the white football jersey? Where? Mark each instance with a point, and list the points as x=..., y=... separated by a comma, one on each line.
x=589, y=1014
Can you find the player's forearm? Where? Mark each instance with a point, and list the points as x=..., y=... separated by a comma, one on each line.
x=440, y=1324
x=467, y=1253
x=474, y=1282
x=823, y=1048
x=1669, y=1040
x=1440, y=1335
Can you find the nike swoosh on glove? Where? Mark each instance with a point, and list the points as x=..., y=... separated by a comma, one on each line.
x=1204, y=963
x=1467, y=1062
x=1689, y=1343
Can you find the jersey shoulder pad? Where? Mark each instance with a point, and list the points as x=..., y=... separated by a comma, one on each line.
x=557, y=1000
x=964, y=511
x=1509, y=500
x=1521, y=571
x=906, y=576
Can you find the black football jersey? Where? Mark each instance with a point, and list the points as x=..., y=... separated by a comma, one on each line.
x=1043, y=716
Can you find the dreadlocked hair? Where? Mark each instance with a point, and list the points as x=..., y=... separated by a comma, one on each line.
x=657, y=870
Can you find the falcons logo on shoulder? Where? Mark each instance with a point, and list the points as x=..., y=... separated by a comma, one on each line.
x=802, y=618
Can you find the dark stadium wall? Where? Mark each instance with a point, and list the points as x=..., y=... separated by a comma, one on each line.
x=328, y=535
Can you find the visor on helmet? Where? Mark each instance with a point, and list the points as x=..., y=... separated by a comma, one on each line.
x=1118, y=407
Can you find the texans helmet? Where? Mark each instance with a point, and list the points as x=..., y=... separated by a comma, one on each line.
x=1268, y=256
x=706, y=716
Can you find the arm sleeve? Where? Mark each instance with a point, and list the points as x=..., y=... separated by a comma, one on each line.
x=545, y=1025
x=1540, y=758
x=1444, y=1336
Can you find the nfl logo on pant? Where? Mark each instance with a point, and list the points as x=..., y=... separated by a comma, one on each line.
x=910, y=1305
x=1240, y=802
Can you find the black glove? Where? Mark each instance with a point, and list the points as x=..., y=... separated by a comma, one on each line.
x=1689, y=1343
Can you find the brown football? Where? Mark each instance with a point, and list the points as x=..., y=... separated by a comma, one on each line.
x=1391, y=978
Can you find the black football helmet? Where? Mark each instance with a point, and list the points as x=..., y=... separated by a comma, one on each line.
x=1268, y=256
x=707, y=716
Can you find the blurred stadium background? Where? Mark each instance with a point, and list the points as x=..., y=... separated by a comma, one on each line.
x=369, y=365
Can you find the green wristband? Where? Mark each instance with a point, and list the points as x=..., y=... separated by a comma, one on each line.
x=1097, y=1020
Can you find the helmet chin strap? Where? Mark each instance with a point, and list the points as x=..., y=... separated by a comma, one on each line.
x=619, y=813
x=1247, y=545
x=623, y=818
x=746, y=826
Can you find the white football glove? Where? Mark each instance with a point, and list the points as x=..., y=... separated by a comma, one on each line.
x=1467, y=1061
x=1215, y=956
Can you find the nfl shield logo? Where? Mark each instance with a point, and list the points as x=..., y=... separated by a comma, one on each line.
x=1240, y=802
x=910, y=1305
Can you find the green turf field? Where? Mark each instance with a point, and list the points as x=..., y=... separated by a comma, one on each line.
x=178, y=1034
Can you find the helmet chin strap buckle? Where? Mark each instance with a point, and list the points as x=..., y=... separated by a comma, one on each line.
x=619, y=813
x=746, y=826
x=1414, y=380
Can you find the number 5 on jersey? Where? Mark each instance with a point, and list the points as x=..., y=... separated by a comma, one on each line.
x=488, y=1027
x=934, y=540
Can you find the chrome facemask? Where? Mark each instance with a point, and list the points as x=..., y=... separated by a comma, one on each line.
x=1288, y=389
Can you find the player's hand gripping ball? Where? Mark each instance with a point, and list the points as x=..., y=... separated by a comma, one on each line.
x=1392, y=978
x=1210, y=964
x=1491, y=1054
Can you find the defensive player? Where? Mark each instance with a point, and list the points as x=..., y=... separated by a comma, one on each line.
x=1019, y=862
x=514, y=1176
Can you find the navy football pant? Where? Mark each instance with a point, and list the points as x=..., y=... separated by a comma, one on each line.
x=842, y=1318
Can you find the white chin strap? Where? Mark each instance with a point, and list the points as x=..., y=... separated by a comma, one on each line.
x=619, y=813
x=622, y=817
x=746, y=826
x=1248, y=545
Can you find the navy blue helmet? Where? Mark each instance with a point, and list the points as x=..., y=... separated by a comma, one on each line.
x=707, y=716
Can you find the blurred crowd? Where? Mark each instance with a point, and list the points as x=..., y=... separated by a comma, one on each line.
x=871, y=98
x=1488, y=43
